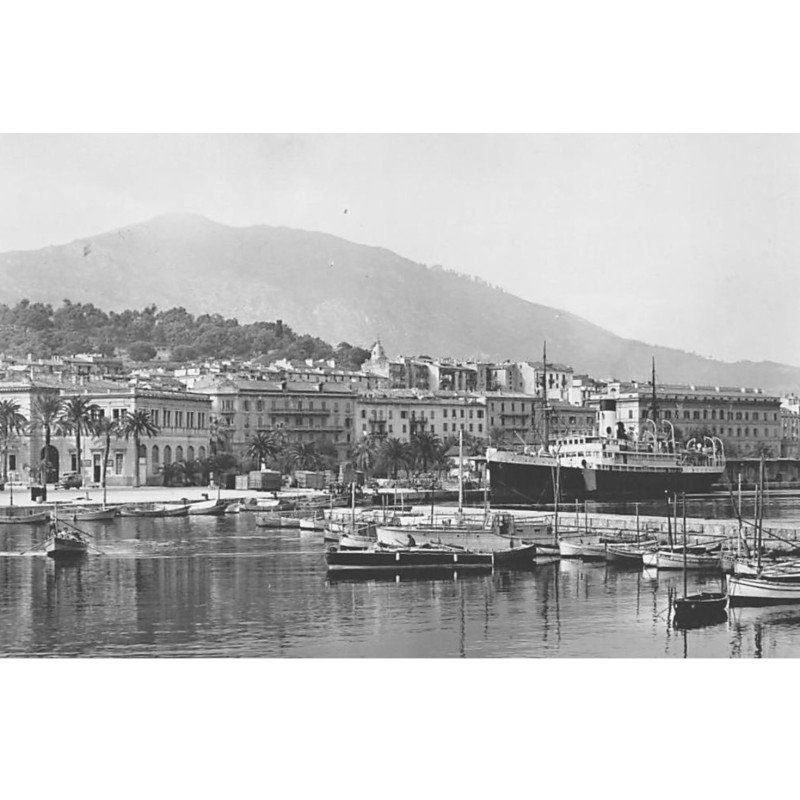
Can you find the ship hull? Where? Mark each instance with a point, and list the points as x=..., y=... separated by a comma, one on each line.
x=520, y=483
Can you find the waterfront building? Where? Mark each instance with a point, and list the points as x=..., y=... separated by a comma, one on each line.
x=305, y=412
x=526, y=377
x=182, y=417
x=401, y=413
x=748, y=421
x=790, y=427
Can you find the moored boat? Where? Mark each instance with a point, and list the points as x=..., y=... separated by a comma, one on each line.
x=19, y=515
x=211, y=508
x=418, y=558
x=154, y=510
x=586, y=548
x=674, y=559
x=701, y=608
x=90, y=514
x=763, y=591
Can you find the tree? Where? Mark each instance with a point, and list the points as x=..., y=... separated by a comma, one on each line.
x=141, y=351
x=365, y=453
x=137, y=425
x=424, y=448
x=46, y=410
x=77, y=417
x=497, y=437
x=394, y=455
x=304, y=455
x=12, y=422
x=104, y=428
x=265, y=446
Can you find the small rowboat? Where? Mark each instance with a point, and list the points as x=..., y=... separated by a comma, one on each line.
x=90, y=514
x=22, y=516
x=154, y=511
x=629, y=553
x=673, y=559
x=588, y=550
x=66, y=544
x=698, y=609
x=208, y=508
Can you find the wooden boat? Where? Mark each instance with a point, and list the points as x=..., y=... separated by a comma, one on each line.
x=763, y=591
x=674, y=559
x=704, y=607
x=274, y=519
x=19, y=515
x=415, y=558
x=208, y=508
x=632, y=554
x=583, y=548
x=312, y=525
x=154, y=511
x=90, y=514
x=66, y=544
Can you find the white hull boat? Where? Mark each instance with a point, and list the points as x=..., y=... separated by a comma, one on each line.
x=763, y=591
x=674, y=559
x=588, y=550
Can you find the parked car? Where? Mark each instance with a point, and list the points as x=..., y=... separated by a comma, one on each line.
x=71, y=480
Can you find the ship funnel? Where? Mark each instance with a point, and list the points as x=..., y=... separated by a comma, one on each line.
x=608, y=418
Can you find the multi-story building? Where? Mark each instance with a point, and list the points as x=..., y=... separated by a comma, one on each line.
x=305, y=412
x=790, y=427
x=748, y=421
x=527, y=377
x=182, y=418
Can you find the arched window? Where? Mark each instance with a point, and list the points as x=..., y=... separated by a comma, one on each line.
x=142, y=451
x=167, y=454
x=178, y=454
x=190, y=453
x=155, y=456
x=201, y=453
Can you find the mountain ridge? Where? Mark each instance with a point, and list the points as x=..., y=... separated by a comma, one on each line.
x=341, y=290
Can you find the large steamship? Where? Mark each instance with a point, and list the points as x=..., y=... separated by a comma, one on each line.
x=610, y=465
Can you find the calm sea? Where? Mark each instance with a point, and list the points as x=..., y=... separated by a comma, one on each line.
x=217, y=587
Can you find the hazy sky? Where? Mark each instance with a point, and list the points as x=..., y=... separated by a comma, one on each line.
x=689, y=241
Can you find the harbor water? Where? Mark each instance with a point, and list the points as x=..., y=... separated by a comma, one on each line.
x=221, y=587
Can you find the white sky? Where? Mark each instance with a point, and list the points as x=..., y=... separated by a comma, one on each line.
x=688, y=241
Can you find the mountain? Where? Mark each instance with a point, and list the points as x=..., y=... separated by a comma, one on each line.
x=343, y=291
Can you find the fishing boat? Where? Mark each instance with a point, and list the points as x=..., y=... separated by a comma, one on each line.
x=680, y=559
x=630, y=553
x=19, y=515
x=317, y=525
x=415, y=558
x=764, y=590
x=583, y=547
x=274, y=519
x=208, y=508
x=154, y=510
x=700, y=608
x=88, y=514
x=65, y=543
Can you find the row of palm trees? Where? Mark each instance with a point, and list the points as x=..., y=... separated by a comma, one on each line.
x=76, y=416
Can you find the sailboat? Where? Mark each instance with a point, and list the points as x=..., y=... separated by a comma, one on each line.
x=66, y=543
x=704, y=607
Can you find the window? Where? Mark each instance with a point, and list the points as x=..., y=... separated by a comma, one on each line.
x=12, y=462
x=696, y=415
x=201, y=421
x=154, y=416
x=167, y=419
x=246, y=405
x=115, y=413
x=480, y=427
x=154, y=457
x=259, y=405
x=363, y=413
x=119, y=460
x=404, y=415
x=444, y=427
x=480, y=413
x=190, y=419
x=167, y=454
x=404, y=428
x=630, y=413
x=755, y=416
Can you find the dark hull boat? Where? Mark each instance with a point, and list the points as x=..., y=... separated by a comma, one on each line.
x=704, y=608
x=528, y=480
x=65, y=546
x=412, y=559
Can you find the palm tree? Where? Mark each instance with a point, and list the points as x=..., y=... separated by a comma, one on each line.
x=265, y=446
x=77, y=416
x=365, y=453
x=46, y=410
x=394, y=455
x=424, y=447
x=12, y=422
x=304, y=455
x=104, y=428
x=138, y=424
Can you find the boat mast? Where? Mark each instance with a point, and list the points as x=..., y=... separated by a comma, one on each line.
x=545, y=409
x=353, y=505
x=684, y=546
x=460, y=473
x=654, y=402
x=760, y=530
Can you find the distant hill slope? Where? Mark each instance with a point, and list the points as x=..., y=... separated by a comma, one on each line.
x=340, y=290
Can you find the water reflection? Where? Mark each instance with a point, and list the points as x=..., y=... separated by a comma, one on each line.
x=222, y=587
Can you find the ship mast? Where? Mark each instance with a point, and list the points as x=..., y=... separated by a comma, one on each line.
x=654, y=404
x=545, y=408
